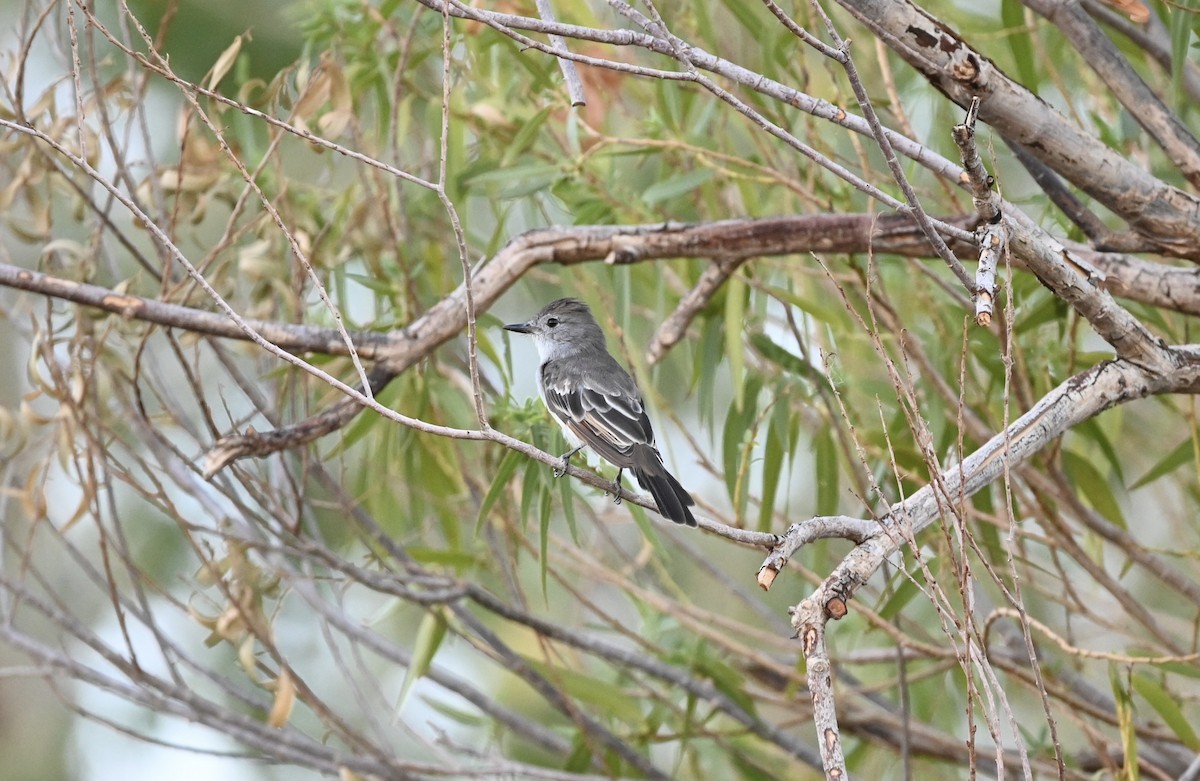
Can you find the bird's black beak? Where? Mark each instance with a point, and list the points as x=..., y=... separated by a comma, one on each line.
x=521, y=328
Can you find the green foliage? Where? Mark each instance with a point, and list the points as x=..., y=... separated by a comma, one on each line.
x=1125, y=716
x=807, y=385
x=1166, y=704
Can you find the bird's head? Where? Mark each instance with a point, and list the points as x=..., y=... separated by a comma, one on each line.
x=562, y=327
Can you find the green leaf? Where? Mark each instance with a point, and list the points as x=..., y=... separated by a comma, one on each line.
x=827, y=309
x=544, y=535
x=792, y=364
x=1012, y=14
x=607, y=697
x=774, y=455
x=747, y=15
x=735, y=320
x=1183, y=453
x=988, y=532
x=1127, y=724
x=531, y=486
x=442, y=557
x=1180, y=24
x=1091, y=430
x=514, y=182
x=488, y=327
x=1180, y=668
x=750, y=768
x=670, y=107
x=725, y=678
x=580, y=759
x=675, y=187
x=908, y=588
x=524, y=137
x=567, y=496
x=384, y=287
x=1167, y=707
x=572, y=131
x=464, y=717
x=737, y=423
x=1033, y=314
x=504, y=472
x=825, y=455
x=1094, y=486
x=366, y=424
x=784, y=359
x=430, y=634
x=731, y=442
x=709, y=357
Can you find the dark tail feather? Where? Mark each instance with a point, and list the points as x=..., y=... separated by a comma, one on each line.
x=672, y=500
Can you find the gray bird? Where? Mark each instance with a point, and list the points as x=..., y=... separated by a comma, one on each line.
x=597, y=403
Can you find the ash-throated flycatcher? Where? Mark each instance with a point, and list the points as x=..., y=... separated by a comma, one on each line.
x=597, y=403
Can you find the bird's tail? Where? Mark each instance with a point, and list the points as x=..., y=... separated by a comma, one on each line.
x=671, y=497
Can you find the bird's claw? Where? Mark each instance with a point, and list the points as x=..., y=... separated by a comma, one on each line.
x=616, y=489
x=559, y=471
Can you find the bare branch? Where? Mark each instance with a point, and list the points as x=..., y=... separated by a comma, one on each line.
x=857, y=530
x=1078, y=399
x=1057, y=270
x=673, y=329
x=632, y=648
x=889, y=154
x=810, y=627
x=1150, y=35
x=702, y=60
x=993, y=239
x=288, y=336
x=615, y=245
x=566, y=65
x=1165, y=215
x=1103, y=56
x=1152, y=283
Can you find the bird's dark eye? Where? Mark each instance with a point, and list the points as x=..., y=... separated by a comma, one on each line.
x=553, y=321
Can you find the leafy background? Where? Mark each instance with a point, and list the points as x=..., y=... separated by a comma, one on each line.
x=776, y=407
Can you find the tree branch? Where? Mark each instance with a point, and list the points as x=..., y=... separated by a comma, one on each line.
x=1147, y=109
x=1080, y=398
x=993, y=236
x=293, y=337
x=732, y=239
x=1057, y=270
x=1166, y=215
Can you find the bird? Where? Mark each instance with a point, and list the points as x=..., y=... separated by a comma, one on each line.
x=598, y=404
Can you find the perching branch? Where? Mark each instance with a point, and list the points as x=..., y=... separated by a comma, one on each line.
x=1077, y=400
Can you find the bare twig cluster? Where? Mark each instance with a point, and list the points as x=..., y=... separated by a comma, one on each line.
x=161, y=407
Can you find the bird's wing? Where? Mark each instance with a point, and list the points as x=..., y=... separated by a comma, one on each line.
x=609, y=420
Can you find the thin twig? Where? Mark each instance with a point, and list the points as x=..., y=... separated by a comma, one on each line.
x=883, y=139
x=460, y=238
x=569, y=71
x=993, y=236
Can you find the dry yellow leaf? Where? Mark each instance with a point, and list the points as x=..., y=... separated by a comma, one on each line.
x=225, y=62
x=285, y=699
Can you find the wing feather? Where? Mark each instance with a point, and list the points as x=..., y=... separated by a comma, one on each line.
x=610, y=421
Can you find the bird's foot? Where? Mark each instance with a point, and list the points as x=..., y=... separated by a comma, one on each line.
x=616, y=489
x=559, y=471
